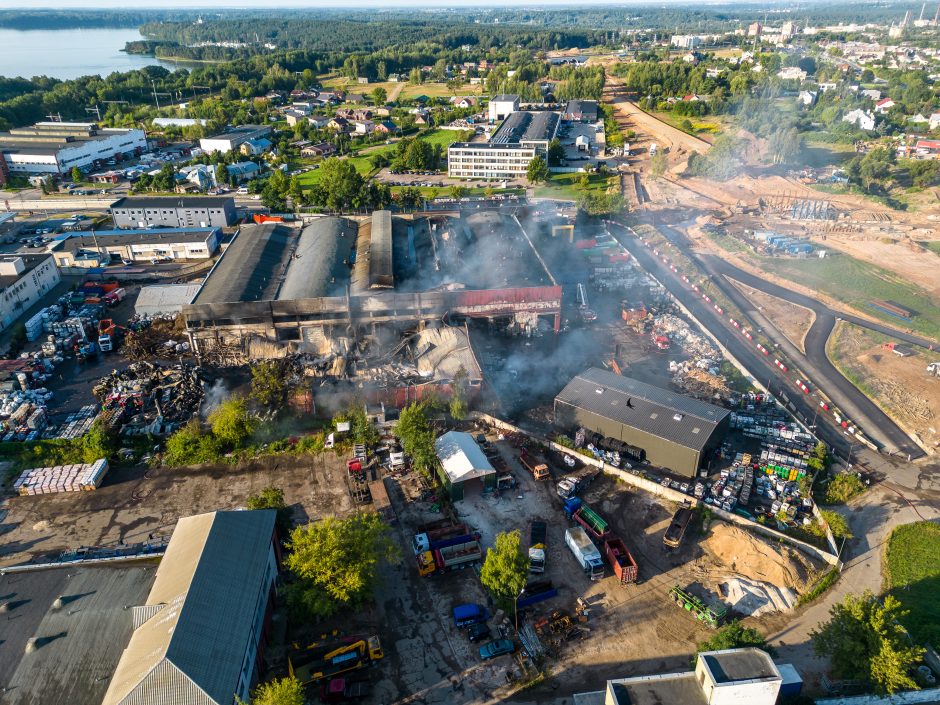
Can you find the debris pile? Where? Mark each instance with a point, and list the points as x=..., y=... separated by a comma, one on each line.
x=62, y=478
x=150, y=398
x=678, y=331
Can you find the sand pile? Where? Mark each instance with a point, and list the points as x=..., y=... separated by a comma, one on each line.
x=757, y=559
x=753, y=598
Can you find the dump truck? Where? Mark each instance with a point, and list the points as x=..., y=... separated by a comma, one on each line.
x=621, y=561
x=429, y=536
x=534, y=465
x=585, y=552
x=538, y=531
x=318, y=662
x=577, y=482
x=450, y=557
x=592, y=523
x=680, y=521
x=534, y=593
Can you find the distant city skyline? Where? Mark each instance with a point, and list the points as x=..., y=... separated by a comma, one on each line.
x=310, y=4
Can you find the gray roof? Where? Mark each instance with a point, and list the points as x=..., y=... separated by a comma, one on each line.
x=173, y=202
x=525, y=126
x=30, y=262
x=730, y=665
x=164, y=298
x=657, y=691
x=120, y=238
x=80, y=644
x=320, y=264
x=252, y=267
x=197, y=622
x=582, y=107
x=660, y=412
x=373, y=268
x=505, y=98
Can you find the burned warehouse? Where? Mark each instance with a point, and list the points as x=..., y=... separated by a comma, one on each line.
x=673, y=432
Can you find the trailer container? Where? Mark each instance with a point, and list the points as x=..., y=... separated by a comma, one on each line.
x=585, y=552
x=621, y=561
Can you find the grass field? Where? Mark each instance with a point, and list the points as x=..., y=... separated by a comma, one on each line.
x=406, y=91
x=568, y=185
x=362, y=159
x=933, y=246
x=856, y=283
x=912, y=559
x=444, y=191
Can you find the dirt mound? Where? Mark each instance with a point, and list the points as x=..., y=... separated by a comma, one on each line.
x=758, y=559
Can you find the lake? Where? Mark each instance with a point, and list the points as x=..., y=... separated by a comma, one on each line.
x=70, y=53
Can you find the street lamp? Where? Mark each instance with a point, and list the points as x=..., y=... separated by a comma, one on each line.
x=515, y=608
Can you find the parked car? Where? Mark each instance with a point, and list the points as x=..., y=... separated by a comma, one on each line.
x=478, y=632
x=469, y=614
x=497, y=647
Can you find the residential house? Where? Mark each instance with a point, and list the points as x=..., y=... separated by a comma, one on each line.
x=328, y=98
x=791, y=73
x=239, y=172
x=934, y=121
x=293, y=117
x=318, y=121
x=252, y=148
x=395, y=77
x=387, y=127
x=807, y=98
x=202, y=176
x=363, y=127
x=884, y=105
x=422, y=117
x=918, y=119
x=322, y=149
x=826, y=87
x=927, y=148
x=303, y=106
x=872, y=93
x=355, y=98
x=862, y=119
x=338, y=124
x=462, y=102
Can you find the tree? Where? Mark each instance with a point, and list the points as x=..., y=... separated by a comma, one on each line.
x=734, y=636
x=231, y=422
x=339, y=186
x=379, y=95
x=336, y=561
x=283, y=691
x=458, y=400
x=537, y=171
x=556, y=153
x=273, y=498
x=417, y=437
x=864, y=640
x=505, y=569
x=190, y=445
x=658, y=164
x=221, y=175
x=269, y=387
x=785, y=146
x=100, y=442
x=457, y=191
x=77, y=175
x=361, y=429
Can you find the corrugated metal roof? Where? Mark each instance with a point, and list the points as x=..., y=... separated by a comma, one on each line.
x=165, y=298
x=461, y=457
x=320, y=264
x=660, y=412
x=252, y=266
x=208, y=584
x=380, y=252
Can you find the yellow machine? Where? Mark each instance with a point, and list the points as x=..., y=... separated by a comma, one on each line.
x=320, y=661
x=426, y=564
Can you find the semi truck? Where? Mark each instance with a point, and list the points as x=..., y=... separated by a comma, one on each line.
x=575, y=483
x=534, y=465
x=585, y=552
x=621, y=561
x=449, y=557
x=430, y=536
x=680, y=521
x=538, y=530
x=318, y=662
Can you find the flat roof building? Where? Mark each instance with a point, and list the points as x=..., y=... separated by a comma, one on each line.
x=58, y=147
x=581, y=111
x=725, y=677
x=199, y=635
x=463, y=465
x=95, y=247
x=502, y=106
x=523, y=136
x=173, y=212
x=676, y=432
x=24, y=280
x=233, y=138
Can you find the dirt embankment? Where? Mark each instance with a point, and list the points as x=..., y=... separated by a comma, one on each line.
x=791, y=320
x=757, y=559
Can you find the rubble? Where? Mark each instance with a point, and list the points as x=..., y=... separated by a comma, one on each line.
x=150, y=398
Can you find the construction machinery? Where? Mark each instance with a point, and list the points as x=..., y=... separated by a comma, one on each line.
x=712, y=616
x=320, y=661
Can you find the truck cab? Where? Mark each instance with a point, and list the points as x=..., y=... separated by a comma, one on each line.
x=468, y=614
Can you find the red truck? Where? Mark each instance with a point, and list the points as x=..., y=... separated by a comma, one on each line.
x=620, y=559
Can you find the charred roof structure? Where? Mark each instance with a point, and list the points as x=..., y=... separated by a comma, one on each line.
x=676, y=432
x=279, y=290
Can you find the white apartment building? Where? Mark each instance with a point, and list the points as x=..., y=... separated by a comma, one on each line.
x=485, y=160
x=23, y=281
x=57, y=147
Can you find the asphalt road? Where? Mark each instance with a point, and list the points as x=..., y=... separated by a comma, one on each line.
x=873, y=422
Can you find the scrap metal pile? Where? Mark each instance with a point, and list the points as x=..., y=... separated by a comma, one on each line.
x=699, y=376
x=150, y=398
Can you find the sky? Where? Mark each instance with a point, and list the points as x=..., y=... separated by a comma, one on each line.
x=256, y=4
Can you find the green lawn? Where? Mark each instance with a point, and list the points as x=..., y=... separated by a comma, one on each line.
x=444, y=191
x=933, y=246
x=913, y=577
x=569, y=185
x=856, y=283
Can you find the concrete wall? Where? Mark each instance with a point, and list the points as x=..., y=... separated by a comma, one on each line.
x=911, y=698
x=55, y=204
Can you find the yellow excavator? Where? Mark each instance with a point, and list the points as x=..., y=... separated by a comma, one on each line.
x=319, y=661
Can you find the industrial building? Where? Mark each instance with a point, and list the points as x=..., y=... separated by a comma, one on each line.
x=173, y=212
x=581, y=111
x=24, y=279
x=675, y=432
x=463, y=468
x=502, y=106
x=330, y=287
x=724, y=677
x=518, y=140
x=58, y=147
x=102, y=247
x=199, y=636
x=234, y=138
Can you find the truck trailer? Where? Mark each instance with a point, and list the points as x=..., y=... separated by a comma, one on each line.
x=450, y=557
x=621, y=561
x=538, y=531
x=577, y=482
x=585, y=552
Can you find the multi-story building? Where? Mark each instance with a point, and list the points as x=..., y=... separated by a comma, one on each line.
x=502, y=106
x=523, y=136
x=173, y=212
x=58, y=147
x=23, y=281
x=686, y=41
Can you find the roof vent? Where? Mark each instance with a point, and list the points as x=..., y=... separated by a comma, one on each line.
x=599, y=390
x=677, y=417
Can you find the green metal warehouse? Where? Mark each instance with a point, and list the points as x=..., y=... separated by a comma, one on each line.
x=675, y=431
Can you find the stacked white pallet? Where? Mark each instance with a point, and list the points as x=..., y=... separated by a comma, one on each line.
x=62, y=478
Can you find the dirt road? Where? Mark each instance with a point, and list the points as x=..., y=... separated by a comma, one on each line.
x=663, y=134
